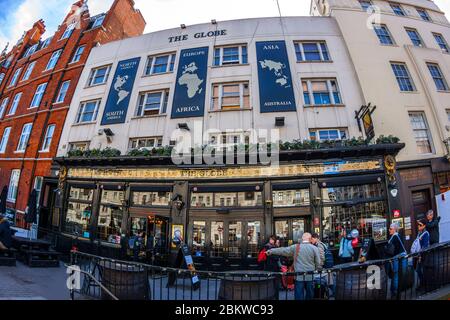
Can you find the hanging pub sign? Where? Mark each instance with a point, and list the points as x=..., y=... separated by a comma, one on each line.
x=364, y=115
x=276, y=92
x=119, y=95
x=189, y=98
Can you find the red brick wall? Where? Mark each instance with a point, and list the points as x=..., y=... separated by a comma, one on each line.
x=121, y=21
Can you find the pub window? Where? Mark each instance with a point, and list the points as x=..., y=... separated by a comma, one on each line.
x=328, y=134
x=160, y=64
x=78, y=146
x=421, y=132
x=321, y=92
x=415, y=37
x=88, y=111
x=253, y=238
x=228, y=96
x=110, y=216
x=282, y=231
x=235, y=239
x=403, y=77
x=230, y=55
x=226, y=199
x=216, y=239
x=441, y=42
x=228, y=140
x=79, y=211
x=312, y=51
x=199, y=238
x=291, y=198
x=13, y=187
x=152, y=103
x=438, y=77
x=360, y=207
x=145, y=143
x=151, y=198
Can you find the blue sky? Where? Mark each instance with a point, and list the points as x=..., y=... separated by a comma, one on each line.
x=16, y=16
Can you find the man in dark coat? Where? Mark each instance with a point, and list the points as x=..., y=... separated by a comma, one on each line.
x=433, y=227
x=5, y=234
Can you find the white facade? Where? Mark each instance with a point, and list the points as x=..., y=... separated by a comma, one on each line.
x=372, y=61
x=239, y=32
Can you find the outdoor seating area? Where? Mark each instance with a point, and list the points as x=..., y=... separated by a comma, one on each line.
x=36, y=253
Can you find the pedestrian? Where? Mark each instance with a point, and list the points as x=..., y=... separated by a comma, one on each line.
x=346, y=251
x=433, y=227
x=5, y=233
x=315, y=240
x=395, y=251
x=271, y=262
x=422, y=242
x=306, y=260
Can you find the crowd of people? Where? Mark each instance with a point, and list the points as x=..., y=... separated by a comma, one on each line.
x=311, y=254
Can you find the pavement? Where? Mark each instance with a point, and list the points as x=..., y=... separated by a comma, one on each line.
x=24, y=283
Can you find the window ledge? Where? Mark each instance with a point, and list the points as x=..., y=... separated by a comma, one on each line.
x=389, y=45
x=44, y=151
x=410, y=92
x=230, y=65
x=149, y=116
x=230, y=110
x=157, y=74
x=84, y=123
x=316, y=61
x=95, y=85
x=338, y=105
x=443, y=91
x=18, y=152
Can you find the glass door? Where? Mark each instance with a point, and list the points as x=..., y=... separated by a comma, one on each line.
x=291, y=230
x=235, y=239
x=217, y=237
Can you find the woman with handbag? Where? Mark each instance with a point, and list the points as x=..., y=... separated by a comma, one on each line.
x=395, y=251
x=422, y=242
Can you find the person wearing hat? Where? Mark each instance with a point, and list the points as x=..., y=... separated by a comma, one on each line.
x=346, y=251
x=5, y=233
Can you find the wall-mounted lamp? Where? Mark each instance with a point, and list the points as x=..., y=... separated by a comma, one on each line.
x=214, y=21
x=183, y=26
x=183, y=126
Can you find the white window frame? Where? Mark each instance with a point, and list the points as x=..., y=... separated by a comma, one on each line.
x=29, y=71
x=97, y=19
x=4, y=140
x=77, y=56
x=158, y=140
x=339, y=132
x=13, y=185
x=15, y=78
x=53, y=61
x=68, y=32
x=38, y=95
x=93, y=75
x=240, y=54
x=24, y=137
x=319, y=47
x=151, y=60
x=48, y=138
x=330, y=91
x=427, y=129
x=31, y=50
x=81, y=111
x=221, y=95
x=2, y=77
x=216, y=139
x=3, y=106
x=46, y=42
x=75, y=145
x=63, y=92
x=15, y=104
x=163, y=103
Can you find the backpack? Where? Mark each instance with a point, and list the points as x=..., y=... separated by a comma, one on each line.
x=262, y=257
x=416, y=247
x=329, y=259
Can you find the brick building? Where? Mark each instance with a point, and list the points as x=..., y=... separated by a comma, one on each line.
x=38, y=77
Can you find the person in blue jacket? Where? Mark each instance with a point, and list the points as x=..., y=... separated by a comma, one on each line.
x=346, y=251
x=395, y=251
x=422, y=242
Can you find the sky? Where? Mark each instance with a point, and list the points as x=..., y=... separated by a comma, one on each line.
x=16, y=16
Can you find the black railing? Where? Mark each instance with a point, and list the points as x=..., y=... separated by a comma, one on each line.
x=396, y=278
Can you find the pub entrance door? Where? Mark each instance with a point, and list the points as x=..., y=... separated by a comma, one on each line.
x=227, y=243
x=290, y=230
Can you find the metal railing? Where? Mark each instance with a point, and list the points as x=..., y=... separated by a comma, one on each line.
x=399, y=278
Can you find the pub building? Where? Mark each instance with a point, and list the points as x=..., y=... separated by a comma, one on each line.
x=225, y=214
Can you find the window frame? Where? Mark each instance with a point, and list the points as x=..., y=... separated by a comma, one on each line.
x=46, y=144
x=341, y=132
x=300, y=50
x=60, y=99
x=443, y=42
x=73, y=145
x=397, y=9
x=441, y=76
x=149, y=69
x=218, y=56
x=53, y=61
x=387, y=34
x=38, y=190
x=31, y=50
x=363, y=6
x=427, y=130
x=158, y=142
x=421, y=43
x=101, y=18
x=397, y=77
x=423, y=13
x=81, y=111
x=142, y=103
x=29, y=71
x=15, y=104
x=38, y=93
x=331, y=93
x=15, y=78
x=68, y=31
x=4, y=140
x=242, y=96
x=3, y=106
x=24, y=138
x=13, y=189
x=77, y=56
x=93, y=75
